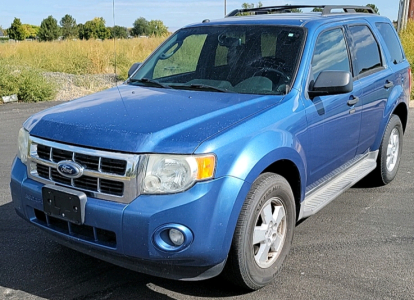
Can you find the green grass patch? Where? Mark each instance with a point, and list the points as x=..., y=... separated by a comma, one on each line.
x=28, y=83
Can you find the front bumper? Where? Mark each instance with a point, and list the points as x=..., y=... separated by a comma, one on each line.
x=123, y=234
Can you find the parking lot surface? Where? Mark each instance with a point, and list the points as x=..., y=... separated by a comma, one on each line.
x=361, y=246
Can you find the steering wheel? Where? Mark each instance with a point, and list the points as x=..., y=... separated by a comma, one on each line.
x=279, y=73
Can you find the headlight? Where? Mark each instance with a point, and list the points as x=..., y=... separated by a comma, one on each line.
x=23, y=141
x=175, y=173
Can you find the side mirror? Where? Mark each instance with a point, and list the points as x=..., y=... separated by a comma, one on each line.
x=331, y=83
x=133, y=69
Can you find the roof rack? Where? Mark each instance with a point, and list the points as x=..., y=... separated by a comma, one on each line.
x=326, y=9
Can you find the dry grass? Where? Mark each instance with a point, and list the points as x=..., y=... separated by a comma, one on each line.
x=79, y=57
x=407, y=41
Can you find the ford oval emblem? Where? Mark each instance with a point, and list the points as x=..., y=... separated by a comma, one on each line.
x=69, y=169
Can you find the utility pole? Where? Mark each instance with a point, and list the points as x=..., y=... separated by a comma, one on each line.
x=403, y=14
x=225, y=8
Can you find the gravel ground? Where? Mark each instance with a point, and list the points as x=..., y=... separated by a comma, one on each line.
x=74, y=86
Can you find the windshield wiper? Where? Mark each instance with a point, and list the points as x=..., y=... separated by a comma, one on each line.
x=150, y=82
x=204, y=87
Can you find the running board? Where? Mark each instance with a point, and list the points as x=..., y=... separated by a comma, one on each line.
x=317, y=198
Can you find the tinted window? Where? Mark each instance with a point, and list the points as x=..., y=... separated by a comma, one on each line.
x=238, y=59
x=330, y=53
x=367, y=55
x=391, y=40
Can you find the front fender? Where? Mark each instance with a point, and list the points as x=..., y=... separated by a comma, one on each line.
x=250, y=155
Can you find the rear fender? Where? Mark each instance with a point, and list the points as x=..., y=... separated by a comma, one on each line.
x=395, y=100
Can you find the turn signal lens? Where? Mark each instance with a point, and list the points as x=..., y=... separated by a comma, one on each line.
x=206, y=165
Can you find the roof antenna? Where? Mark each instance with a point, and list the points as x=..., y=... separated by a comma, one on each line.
x=113, y=16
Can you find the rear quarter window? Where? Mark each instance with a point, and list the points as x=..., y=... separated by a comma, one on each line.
x=391, y=41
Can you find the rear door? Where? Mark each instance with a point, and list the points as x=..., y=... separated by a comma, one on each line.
x=376, y=78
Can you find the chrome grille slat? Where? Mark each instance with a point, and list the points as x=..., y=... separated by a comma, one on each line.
x=107, y=175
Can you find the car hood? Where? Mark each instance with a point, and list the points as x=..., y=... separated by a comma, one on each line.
x=138, y=119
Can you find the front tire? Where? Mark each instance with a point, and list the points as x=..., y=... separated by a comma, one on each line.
x=263, y=234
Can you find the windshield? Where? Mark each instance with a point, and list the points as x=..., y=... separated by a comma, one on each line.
x=237, y=59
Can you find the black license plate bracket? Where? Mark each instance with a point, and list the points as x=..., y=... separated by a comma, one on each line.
x=64, y=203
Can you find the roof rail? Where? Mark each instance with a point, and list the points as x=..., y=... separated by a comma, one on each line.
x=326, y=9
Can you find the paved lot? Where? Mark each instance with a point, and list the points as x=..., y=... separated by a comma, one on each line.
x=361, y=246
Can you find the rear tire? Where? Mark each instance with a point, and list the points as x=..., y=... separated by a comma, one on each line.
x=263, y=234
x=389, y=152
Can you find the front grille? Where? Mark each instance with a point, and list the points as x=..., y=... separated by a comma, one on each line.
x=57, y=177
x=88, y=161
x=59, y=155
x=84, y=232
x=115, y=166
x=106, y=175
x=109, y=187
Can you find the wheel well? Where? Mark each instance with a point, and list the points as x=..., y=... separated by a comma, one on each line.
x=290, y=172
x=402, y=113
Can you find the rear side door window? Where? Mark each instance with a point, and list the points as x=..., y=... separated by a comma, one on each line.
x=389, y=35
x=367, y=55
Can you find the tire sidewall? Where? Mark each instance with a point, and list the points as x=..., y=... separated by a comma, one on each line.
x=271, y=188
x=386, y=175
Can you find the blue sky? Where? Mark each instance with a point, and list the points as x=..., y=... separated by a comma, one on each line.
x=174, y=13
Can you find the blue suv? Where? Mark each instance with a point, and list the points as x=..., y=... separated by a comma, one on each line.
x=232, y=131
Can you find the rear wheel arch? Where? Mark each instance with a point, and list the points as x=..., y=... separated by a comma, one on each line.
x=402, y=112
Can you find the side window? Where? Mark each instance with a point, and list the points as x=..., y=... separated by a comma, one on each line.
x=221, y=56
x=391, y=40
x=330, y=53
x=224, y=50
x=268, y=44
x=366, y=50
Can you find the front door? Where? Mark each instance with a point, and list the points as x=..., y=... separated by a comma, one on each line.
x=333, y=121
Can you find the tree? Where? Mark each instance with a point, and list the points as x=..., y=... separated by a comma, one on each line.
x=31, y=31
x=246, y=5
x=294, y=10
x=140, y=27
x=16, y=30
x=49, y=29
x=69, y=27
x=317, y=9
x=369, y=5
x=81, y=31
x=94, y=29
x=374, y=7
x=157, y=28
x=119, y=32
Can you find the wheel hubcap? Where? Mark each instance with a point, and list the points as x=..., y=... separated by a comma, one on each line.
x=393, y=149
x=269, y=233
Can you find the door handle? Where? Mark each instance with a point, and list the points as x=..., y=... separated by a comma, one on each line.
x=353, y=101
x=388, y=84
